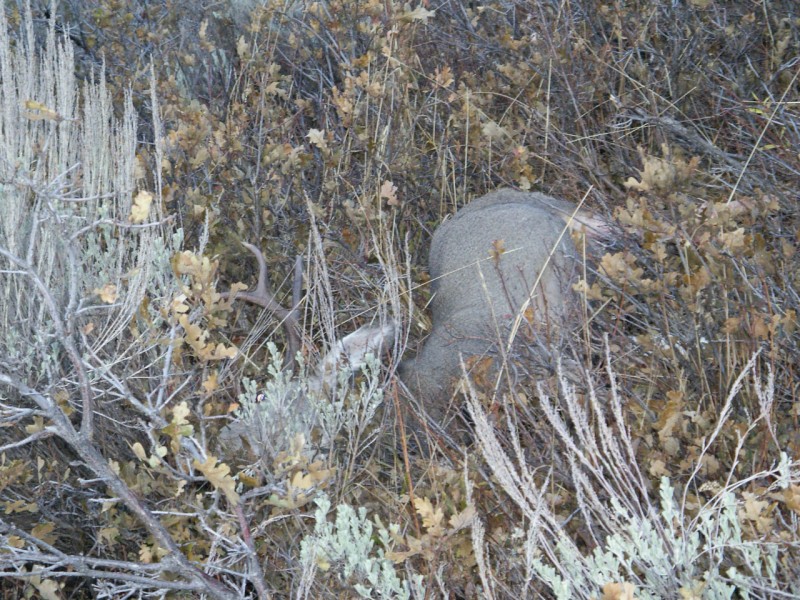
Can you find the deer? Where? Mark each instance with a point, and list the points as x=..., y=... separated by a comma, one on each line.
x=503, y=261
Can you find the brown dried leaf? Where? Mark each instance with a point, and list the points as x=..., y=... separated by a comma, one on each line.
x=432, y=518
x=463, y=519
x=443, y=77
x=218, y=474
x=317, y=138
x=389, y=193
x=418, y=14
x=36, y=111
x=756, y=512
x=791, y=497
x=618, y=591
x=210, y=384
x=44, y=532
x=107, y=293
x=222, y=352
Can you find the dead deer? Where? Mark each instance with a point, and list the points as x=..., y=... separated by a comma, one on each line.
x=504, y=260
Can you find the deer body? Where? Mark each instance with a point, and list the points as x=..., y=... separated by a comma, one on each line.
x=502, y=255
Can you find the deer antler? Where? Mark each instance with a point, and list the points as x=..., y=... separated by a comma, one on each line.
x=263, y=297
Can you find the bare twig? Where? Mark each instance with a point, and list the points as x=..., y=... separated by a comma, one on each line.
x=253, y=560
x=175, y=560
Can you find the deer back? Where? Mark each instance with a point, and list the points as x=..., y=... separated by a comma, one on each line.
x=503, y=253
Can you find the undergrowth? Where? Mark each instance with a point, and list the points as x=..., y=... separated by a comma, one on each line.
x=152, y=442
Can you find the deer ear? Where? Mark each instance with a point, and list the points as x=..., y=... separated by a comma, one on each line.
x=351, y=351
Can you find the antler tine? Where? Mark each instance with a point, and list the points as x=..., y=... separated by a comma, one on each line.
x=263, y=297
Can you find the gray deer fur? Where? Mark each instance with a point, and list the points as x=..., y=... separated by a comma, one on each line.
x=501, y=254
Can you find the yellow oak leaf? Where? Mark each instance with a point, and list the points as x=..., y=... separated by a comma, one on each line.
x=141, y=207
x=219, y=476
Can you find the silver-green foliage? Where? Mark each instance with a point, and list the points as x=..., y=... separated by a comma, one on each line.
x=660, y=547
x=68, y=167
x=271, y=415
x=637, y=553
x=346, y=548
x=351, y=410
x=285, y=405
x=659, y=560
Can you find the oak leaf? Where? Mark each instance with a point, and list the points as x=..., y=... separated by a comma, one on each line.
x=218, y=474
